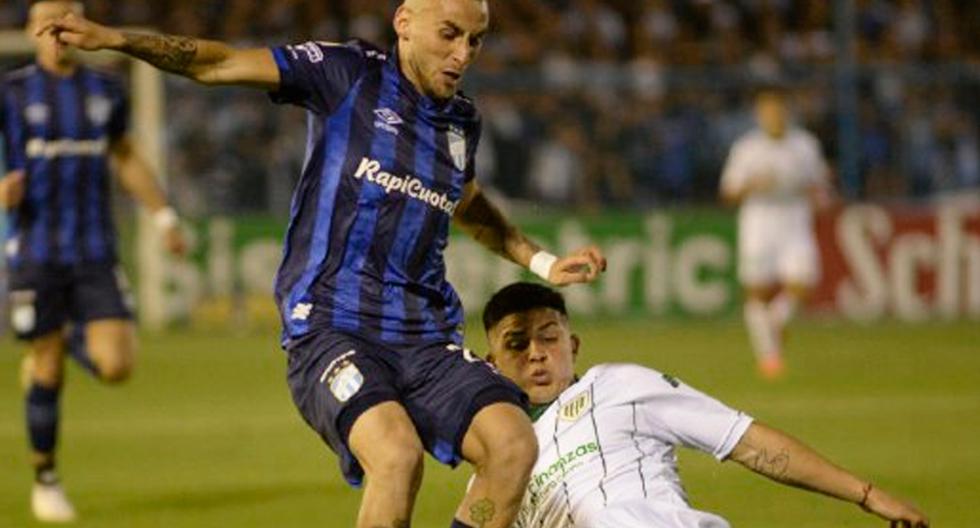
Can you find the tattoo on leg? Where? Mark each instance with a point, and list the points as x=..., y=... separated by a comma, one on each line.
x=167, y=52
x=482, y=511
x=774, y=465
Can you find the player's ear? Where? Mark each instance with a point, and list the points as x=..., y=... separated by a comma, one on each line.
x=401, y=21
x=575, y=344
x=491, y=360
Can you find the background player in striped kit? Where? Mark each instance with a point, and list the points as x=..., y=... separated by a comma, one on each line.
x=371, y=327
x=776, y=174
x=62, y=125
x=607, y=440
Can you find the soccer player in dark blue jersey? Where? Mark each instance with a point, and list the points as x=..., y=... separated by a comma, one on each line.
x=371, y=327
x=63, y=125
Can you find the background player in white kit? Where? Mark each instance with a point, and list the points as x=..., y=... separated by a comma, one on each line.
x=775, y=173
x=607, y=440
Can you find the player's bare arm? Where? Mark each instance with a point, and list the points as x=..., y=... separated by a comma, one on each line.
x=776, y=455
x=137, y=179
x=12, y=187
x=205, y=61
x=483, y=221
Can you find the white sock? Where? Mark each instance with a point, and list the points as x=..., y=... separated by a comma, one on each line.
x=759, y=325
x=782, y=308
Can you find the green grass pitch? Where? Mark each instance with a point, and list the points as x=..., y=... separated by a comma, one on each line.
x=205, y=435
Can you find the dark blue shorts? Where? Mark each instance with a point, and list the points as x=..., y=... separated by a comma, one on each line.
x=334, y=377
x=44, y=298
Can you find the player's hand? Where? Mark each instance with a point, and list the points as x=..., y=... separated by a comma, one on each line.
x=900, y=513
x=583, y=265
x=175, y=242
x=12, y=188
x=77, y=31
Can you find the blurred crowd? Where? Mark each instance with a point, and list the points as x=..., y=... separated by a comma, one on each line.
x=608, y=103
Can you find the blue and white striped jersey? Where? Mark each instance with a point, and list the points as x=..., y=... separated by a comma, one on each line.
x=384, y=172
x=58, y=131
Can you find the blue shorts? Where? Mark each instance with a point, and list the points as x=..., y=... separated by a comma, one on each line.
x=334, y=377
x=44, y=298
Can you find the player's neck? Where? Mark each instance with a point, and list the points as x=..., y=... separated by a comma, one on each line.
x=412, y=74
x=776, y=135
x=57, y=68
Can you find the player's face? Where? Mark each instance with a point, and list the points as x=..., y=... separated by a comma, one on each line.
x=48, y=49
x=536, y=350
x=771, y=113
x=438, y=40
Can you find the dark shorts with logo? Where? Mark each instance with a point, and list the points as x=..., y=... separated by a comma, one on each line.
x=44, y=298
x=334, y=377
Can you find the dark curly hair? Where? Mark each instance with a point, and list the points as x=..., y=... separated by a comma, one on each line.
x=520, y=297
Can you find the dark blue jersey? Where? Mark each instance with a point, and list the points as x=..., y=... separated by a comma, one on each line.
x=58, y=131
x=384, y=172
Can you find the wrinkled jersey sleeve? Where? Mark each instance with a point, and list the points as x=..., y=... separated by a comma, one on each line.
x=316, y=75
x=680, y=415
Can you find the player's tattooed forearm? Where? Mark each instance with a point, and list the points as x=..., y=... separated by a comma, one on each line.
x=482, y=512
x=486, y=222
x=167, y=52
x=772, y=464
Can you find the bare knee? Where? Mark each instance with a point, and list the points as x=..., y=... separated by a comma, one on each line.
x=506, y=447
x=512, y=454
x=112, y=347
x=387, y=446
x=115, y=368
x=398, y=459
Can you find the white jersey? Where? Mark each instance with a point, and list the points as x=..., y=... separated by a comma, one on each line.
x=775, y=226
x=607, y=457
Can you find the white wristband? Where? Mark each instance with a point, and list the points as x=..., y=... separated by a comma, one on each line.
x=165, y=218
x=541, y=264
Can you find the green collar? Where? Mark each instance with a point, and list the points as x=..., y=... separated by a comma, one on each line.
x=535, y=411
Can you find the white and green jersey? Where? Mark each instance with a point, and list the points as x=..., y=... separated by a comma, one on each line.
x=607, y=457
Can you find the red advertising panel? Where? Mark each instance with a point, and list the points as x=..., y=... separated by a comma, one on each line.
x=910, y=262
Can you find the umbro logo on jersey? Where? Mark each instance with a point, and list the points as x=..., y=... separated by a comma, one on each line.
x=12, y=247
x=387, y=120
x=98, y=109
x=37, y=113
x=388, y=116
x=301, y=311
x=574, y=409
